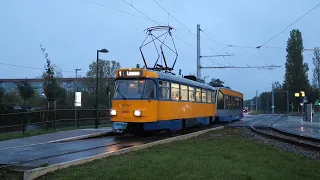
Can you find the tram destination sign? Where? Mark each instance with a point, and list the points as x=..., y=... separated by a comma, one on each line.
x=130, y=73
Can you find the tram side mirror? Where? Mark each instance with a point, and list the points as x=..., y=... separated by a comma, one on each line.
x=179, y=72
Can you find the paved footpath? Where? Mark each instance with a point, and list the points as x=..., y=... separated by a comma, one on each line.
x=258, y=121
x=54, y=137
x=295, y=125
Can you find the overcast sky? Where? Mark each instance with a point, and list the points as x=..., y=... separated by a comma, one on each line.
x=72, y=31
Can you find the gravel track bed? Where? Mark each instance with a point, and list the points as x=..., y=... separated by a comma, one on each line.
x=283, y=146
x=291, y=137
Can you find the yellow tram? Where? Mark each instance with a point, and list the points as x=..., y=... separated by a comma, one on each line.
x=147, y=100
x=152, y=100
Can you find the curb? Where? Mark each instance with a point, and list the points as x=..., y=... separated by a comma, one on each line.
x=34, y=173
x=81, y=137
x=63, y=140
x=294, y=134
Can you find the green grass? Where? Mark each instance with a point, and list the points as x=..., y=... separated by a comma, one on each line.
x=219, y=155
x=295, y=114
x=7, y=174
x=19, y=134
x=256, y=112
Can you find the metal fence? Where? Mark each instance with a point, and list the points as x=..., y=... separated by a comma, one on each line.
x=52, y=119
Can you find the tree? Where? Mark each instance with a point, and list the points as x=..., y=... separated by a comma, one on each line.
x=296, y=77
x=26, y=91
x=276, y=85
x=316, y=69
x=11, y=98
x=51, y=88
x=2, y=93
x=57, y=74
x=107, y=73
x=265, y=101
x=216, y=83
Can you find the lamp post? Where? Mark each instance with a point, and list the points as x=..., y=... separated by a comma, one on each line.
x=97, y=82
x=76, y=70
x=75, y=105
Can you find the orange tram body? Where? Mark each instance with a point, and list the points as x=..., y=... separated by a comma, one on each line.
x=147, y=100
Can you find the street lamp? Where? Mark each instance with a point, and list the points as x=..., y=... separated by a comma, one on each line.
x=76, y=78
x=307, y=50
x=97, y=81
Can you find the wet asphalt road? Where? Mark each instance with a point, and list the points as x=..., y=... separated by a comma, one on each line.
x=53, y=153
x=258, y=121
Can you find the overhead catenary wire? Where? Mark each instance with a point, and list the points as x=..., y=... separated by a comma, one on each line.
x=173, y=17
x=140, y=12
x=115, y=9
x=289, y=26
x=150, y=19
x=160, y=24
x=264, y=59
x=188, y=30
x=29, y=67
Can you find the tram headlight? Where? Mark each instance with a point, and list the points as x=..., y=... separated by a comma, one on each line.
x=113, y=112
x=137, y=113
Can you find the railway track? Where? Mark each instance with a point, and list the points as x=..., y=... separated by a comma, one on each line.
x=301, y=141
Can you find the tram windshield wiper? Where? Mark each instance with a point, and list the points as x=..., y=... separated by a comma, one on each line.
x=117, y=90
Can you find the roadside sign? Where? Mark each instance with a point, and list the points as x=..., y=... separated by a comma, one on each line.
x=77, y=99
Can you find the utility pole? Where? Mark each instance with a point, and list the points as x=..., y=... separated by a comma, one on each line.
x=318, y=80
x=198, y=52
x=256, y=100
x=272, y=100
x=199, y=67
x=267, y=103
x=76, y=80
x=75, y=89
x=287, y=101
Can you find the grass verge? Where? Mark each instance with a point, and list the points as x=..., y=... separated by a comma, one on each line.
x=295, y=114
x=256, y=112
x=19, y=134
x=223, y=154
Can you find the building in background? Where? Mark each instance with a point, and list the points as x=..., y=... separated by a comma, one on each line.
x=10, y=85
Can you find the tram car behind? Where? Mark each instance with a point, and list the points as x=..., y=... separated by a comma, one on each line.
x=229, y=105
x=147, y=100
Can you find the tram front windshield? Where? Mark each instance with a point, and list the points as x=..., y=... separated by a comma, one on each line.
x=135, y=89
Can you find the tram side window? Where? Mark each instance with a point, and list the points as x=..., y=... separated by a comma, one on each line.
x=191, y=94
x=220, y=101
x=164, y=89
x=209, y=97
x=175, y=91
x=184, y=93
x=150, y=89
x=204, y=95
x=233, y=105
x=238, y=103
x=214, y=93
x=198, y=95
x=227, y=102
